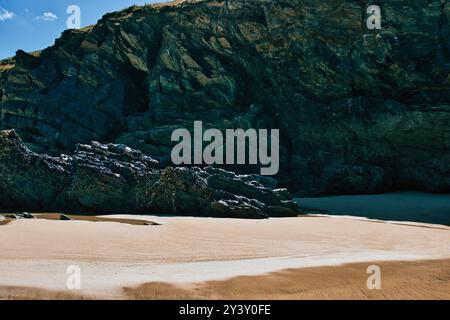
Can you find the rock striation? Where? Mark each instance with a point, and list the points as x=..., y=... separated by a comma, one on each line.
x=359, y=111
x=113, y=178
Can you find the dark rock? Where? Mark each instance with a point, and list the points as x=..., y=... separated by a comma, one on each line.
x=24, y=215
x=117, y=179
x=10, y=216
x=64, y=217
x=353, y=106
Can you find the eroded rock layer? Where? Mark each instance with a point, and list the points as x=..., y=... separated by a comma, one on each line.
x=114, y=178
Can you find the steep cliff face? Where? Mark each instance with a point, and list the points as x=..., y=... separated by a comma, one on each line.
x=359, y=111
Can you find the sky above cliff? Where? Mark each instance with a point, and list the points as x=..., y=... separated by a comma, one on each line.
x=35, y=24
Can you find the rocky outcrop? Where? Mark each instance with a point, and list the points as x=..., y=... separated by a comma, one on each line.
x=114, y=178
x=359, y=111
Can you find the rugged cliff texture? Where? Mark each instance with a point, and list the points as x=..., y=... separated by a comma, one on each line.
x=114, y=178
x=359, y=110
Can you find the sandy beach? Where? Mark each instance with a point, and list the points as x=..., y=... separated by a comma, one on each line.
x=185, y=257
x=224, y=150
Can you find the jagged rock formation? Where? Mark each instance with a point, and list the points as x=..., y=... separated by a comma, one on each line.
x=114, y=178
x=359, y=110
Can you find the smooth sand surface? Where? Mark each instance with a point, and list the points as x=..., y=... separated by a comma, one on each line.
x=184, y=251
x=398, y=206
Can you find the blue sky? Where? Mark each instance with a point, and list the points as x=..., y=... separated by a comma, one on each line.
x=35, y=24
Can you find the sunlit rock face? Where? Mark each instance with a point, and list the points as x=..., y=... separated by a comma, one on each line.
x=359, y=111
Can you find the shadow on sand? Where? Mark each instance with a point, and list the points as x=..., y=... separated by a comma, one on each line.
x=398, y=206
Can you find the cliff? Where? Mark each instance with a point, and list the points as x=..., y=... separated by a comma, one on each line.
x=359, y=111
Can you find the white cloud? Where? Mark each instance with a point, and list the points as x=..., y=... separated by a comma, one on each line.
x=5, y=14
x=47, y=16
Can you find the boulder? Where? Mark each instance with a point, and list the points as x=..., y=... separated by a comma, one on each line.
x=24, y=215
